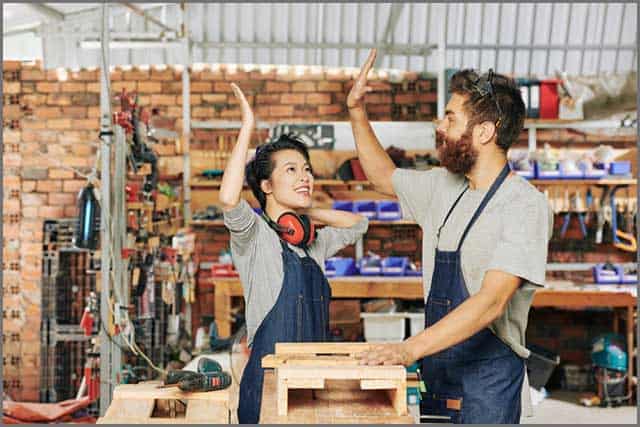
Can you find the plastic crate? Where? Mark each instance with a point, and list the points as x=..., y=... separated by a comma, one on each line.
x=540, y=365
x=383, y=327
x=365, y=208
x=570, y=174
x=601, y=275
x=394, y=266
x=578, y=378
x=628, y=278
x=388, y=211
x=416, y=322
x=339, y=266
x=620, y=168
x=540, y=174
x=369, y=266
x=343, y=205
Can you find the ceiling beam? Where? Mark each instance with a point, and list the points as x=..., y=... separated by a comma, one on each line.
x=46, y=11
x=385, y=41
x=148, y=17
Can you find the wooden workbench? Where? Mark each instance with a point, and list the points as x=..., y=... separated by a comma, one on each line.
x=411, y=288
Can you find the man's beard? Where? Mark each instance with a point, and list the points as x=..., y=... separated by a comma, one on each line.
x=459, y=156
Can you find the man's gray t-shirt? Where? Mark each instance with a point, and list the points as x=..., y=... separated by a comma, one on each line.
x=257, y=255
x=511, y=235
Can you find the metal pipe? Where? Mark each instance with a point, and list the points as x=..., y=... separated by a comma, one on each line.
x=615, y=61
x=584, y=38
x=604, y=26
x=496, y=52
x=148, y=17
x=427, y=21
x=515, y=40
x=531, y=39
x=566, y=38
x=546, y=62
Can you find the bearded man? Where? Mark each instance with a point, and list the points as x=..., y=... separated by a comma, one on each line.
x=484, y=249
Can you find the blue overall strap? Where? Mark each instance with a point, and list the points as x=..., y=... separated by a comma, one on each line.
x=449, y=213
x=494, y=187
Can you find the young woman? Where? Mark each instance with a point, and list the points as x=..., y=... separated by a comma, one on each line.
x=278, y=255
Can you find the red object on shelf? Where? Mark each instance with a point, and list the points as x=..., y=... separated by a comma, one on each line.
x=171, y=255
x=549, y=99
x=223, y=270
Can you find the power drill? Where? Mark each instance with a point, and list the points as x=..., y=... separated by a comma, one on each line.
x=210, y=377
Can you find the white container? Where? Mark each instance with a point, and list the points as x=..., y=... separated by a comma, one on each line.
x=383, y=327
x=417, y=322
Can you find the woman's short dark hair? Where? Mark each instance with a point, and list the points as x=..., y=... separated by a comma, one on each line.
x=504, y=104
x=262, y=164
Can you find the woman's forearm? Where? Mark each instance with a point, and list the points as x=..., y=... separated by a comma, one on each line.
x=333, y=218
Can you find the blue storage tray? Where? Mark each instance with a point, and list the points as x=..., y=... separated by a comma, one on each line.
x=579, y=174
x=365, y=208
x=620, y=168
x=547, y=174
x=531, y=173
x=394, y=266
x=343, y=205
x=388, y=211
x=339, y=266
x=605, y=276
x=372, y=270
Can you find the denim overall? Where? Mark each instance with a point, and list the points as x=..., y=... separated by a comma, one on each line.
x=478, y=380
x=300, y=314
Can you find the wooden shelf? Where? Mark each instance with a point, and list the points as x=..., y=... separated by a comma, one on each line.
x=335, y=182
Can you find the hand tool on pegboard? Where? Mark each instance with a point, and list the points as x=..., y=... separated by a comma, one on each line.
x=621, y=240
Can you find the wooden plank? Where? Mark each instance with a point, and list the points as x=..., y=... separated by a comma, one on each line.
x=344, y=373
x=274, y=361
x=129, y=408
x=321, y=348
x=149, y=390
x=581, y=299
x=202, y=411
x=378, y=384
x=311, y=383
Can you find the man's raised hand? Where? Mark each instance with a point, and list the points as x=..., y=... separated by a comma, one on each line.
x=360, y=88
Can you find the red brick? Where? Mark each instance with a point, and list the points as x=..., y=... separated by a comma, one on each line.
x=203, y=112
x=223, y=87
x=33, y=199
x=319, y=98
x=267, y=98
x=52, y=75
x=149, y=87
x=428, y=97
x=378, y=98
x=51, y=212
x=86, y=124
x=406, y=98
x=30, y=211
x=68, y=87
x=86, y=99
x=59, y=99
x=11, y=112
x=337, y=75
x=165, y=149
x=33, y=100
x=231, y=113
x=208, y=74
x=56, y=199
x=93, y=112
x=11, y=88
x=424, y=85
x=378, y=86
x=93, y=87
x=75, y=112
x=32, y=74
x=306, y=111
x=59, y=124
x=86, y=75
x=379, y=108
x=174, y=112
x=236, y=76
x=161, y=74
x=10, y=136
x=48, y=186
x=201, y=87
x=291, y=98
x=28, y=186
x=83, y=150
x=128, y=86
x=163, y=100
x=70, y=211
x=277, y=87
x=281, y=110
x=267, y=74
x=303, y=87
x=48, y=112
x=426, y=109
x=214, y=98
x=331, y=109
x=136, y=74
x=330, y=87
x=8, y=65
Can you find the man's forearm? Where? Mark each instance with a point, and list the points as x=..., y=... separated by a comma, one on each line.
x=376, y=163
x=473, y=315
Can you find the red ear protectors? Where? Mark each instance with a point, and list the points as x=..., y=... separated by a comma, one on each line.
x=295, y=229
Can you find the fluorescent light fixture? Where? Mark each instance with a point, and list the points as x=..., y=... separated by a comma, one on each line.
x=130, y=44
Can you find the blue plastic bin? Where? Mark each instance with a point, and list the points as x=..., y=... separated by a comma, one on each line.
x=627, y=278
x=604, y=276
x=369, y=266
x=388, y=211
x=394, y=266
x=620, y=168
x=555, y=174
x=343, y=205
x=565, y=174
x=339, y=266
x=365, y=208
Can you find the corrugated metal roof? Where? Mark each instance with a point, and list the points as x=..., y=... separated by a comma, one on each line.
x=524, y=38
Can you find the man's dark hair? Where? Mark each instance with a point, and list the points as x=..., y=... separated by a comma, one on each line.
x=491, y=97
x=262, y=165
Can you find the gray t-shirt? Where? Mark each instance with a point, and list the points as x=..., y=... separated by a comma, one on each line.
x=511, y=235
x=257, y=255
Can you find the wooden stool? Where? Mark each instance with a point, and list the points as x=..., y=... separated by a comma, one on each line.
x=144, y=403
x=330, y=387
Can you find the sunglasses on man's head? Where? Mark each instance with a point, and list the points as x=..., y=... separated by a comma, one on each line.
x=484, y=87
